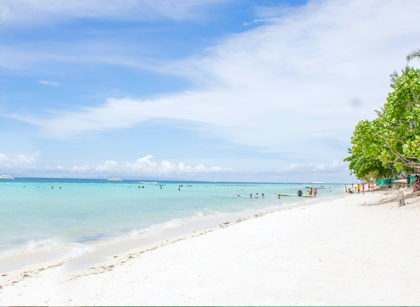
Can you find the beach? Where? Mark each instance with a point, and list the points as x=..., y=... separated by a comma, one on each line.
x=358, y=249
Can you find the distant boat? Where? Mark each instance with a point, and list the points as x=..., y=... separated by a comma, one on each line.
x=115, y=179
x=142, y=182
x=7, y=177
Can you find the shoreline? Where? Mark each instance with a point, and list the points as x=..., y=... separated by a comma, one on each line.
x=79, y=256
x=101, y=275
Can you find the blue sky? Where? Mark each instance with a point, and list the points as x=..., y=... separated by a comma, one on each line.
x=186, y=89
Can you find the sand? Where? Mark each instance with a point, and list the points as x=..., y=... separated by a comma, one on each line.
x=350, y=250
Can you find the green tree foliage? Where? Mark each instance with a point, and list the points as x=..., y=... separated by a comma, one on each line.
x=399, y=125
x=364, y=158
x=391, y=142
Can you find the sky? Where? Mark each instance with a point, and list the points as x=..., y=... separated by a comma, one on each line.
x=223, y=90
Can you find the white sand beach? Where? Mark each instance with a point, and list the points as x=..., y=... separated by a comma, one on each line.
x=356, y=249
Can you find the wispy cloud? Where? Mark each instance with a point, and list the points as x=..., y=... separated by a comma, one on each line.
x=298, y=82
x=19, y=12
x=287, y=85
x=49, y=83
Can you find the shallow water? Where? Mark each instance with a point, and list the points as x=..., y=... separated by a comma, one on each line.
x=33, y=216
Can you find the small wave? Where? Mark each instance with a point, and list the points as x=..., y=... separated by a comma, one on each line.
x=151, y=230
x=79, y=250
x=156, y=229
x=32, y=246
x=163, y=226
x=206, y=212
x=173, y=223
x=51, y=245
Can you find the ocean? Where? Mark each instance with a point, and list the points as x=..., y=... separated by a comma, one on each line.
x=69, y=217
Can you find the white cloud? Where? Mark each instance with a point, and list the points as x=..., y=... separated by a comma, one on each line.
x=3, y=158
x=49, y=83
x=19, y=161
x=145, y=166
x=46, y=11
x=149, y=167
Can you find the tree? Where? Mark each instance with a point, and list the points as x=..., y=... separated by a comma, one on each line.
x=364, y=159
x=398, y=126
x=391, y=142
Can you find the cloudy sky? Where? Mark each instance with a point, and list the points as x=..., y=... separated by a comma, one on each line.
x=194, y=89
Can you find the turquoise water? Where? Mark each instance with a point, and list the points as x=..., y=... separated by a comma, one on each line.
x=90, y=210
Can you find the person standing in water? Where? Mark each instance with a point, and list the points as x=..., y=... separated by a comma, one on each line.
x=315, y=192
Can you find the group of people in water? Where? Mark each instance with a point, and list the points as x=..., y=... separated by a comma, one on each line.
x=256, y=195
x=312, y=192
x=252, y=195
x=52, y=187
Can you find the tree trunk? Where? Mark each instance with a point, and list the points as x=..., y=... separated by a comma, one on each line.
x=401, y=201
